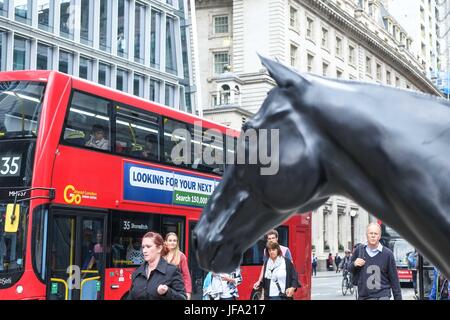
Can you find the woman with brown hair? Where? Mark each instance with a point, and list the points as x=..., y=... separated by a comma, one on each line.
x=280, y=277
x=156, y=279
x=177, y=258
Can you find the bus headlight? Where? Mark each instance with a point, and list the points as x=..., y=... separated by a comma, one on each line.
x=19, y=289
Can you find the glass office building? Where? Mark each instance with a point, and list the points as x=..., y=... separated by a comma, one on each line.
x=140, y=47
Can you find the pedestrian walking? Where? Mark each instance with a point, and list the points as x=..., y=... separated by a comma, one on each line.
x=375, y=270
x=177, y=258
x=440, y=288
x=156, y=279
x=330, y=262
x=222, y=286
x=272, y=237
x=280, y=276
x=314, y=264
x=337, y=262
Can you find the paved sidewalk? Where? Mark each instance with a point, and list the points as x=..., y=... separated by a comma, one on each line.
x=327, y=274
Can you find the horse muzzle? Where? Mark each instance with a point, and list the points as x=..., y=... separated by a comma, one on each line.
x=216, y=256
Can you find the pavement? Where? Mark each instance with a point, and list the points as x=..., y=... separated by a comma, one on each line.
x=327, y=274
x=326, y=285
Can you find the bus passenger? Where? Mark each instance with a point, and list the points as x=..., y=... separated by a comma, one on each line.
x=150, y=150
x=98, y=139
x=156, y=279
x=177, y=258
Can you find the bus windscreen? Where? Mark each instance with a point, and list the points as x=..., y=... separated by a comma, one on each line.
x=20, y=106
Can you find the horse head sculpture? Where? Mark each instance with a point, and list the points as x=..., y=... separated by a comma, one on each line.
x=387, y=149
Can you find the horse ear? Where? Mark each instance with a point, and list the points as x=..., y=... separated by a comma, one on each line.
x=283, y=75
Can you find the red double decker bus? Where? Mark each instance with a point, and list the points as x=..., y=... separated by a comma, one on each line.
x=86, y=171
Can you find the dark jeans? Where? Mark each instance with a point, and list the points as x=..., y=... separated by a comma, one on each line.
x=314, y=269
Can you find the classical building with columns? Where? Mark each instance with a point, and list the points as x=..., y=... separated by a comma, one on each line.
x=140, y=47
x=345, y=39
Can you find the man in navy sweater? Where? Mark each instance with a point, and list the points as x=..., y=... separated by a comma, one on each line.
x=375, y=268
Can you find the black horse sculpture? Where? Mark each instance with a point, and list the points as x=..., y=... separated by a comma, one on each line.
x=387, y=149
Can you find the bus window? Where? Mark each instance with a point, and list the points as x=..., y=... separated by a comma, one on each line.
x=207, y=151
x=20, y=107
x=87, y=123
x=137, y=133
x=129, y=228
x=173, y=138
x=175, y=225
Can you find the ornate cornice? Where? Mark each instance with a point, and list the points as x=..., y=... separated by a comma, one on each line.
x=337, y=16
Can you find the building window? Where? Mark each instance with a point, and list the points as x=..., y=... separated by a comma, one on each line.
x=155, y=89
x=339, y=74
x=379, y=76
x=44, y=57
x=171, y=52
x=221, y=60
x=388, y=77
x=294, y=50
x=66, y=10
x=45, y=14
x=351, y=55
x=338, y=47
x=324, y=38
x=65, y=62
x=310, y=60
x=138, y=85
x=122, y=80
x=397, y=82
x=182, y=96
x=104, y=74
x=85, y=68
x=325, y=66
x=87, y=11
x=3, y=46
x=23, y=10
x=293, y=18
x=122, y=28
x=221, y=24
x=155, y=39
x=369, y=66
x=170, y=95
x=309, y=28
x=21, y=58
x=3, y=8
x=105, y=25
x=139, y=33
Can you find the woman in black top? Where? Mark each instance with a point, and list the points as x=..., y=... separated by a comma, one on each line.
x=156, y=279
x=280, y=277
